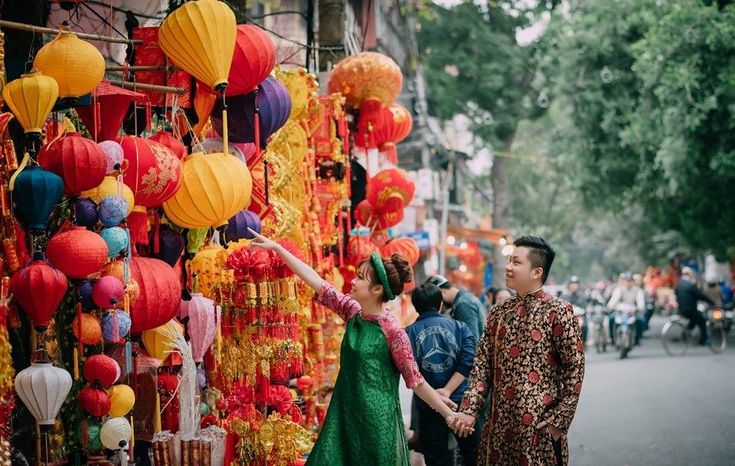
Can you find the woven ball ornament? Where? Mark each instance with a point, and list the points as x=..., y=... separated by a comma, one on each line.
x=113, y=155
x=79, y=161
x=26, y=283
x=94, y=401
x=113, y=210
x=102, y=370
x=91, y=331
x=77, y=252
x=116, y=433
x=110, y=187
x=160, y=293
x=115, y=325
x=116, y=239
x=85, y=212
x=108, y=292
x=132, y=289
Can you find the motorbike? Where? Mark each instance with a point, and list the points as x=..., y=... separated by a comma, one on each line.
x=581, y=314
x=625, y=323
x=600, y=324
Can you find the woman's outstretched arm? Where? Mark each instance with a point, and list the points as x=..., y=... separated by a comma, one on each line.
x=297, y=266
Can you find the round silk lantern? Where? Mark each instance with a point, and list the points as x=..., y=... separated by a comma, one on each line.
x=392, y=182
x=43, y=388
x=122, y=398
x=113, y=155
x=367, y=76
x=112, y=210
x=84, y=292
x=102, y=370
x=85, y=212
x=39, y=289
x=199, y=38
x=115, y=268
x=89, y=331
x=215, y=187
x=116, y=432
x=166, y=244
x=253, y=60
x=77, y=252
x=359, y=249
x=115, y=325
x=160, y=293
x=31, y=97
x=167, y=139
x=76, y=65
x=79, y=161
x=108, y=292
x=94, y=401
x=274, y=108
x=158, y=341
x=202, y=325
x=153, y=172
x=237, y=227
x=396, y=126
x=110, y=187
x=208, y=264
x=35, y=193
x=116, y=239
x=406, y=247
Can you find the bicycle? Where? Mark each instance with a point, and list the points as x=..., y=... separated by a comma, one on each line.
x=679, y=333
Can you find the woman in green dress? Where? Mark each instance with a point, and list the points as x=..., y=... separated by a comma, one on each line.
x=364, y=424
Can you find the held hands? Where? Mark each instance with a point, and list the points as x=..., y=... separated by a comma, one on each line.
x=452, y=405
x=462, y=424
x=261, y=241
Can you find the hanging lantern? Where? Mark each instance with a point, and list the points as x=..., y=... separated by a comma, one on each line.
x=84, y=294
x=31, y=97
x=114, y=268
x=397, y=125
x=35, y=194
x=43, y=388
x=108, y=292
x=359, y=249
x=88, y=331
x=102, y=370
x=85, y=213
x=207, y=265
x=77, y=252
x=274, y=108
x=199, y=38
x=158, y=341
x=387, y=186
x=367, y=76
x=110, y=187
x=406, y=247
x=115, y=325
x=78, y=161
x=215, y=187
x=113, y=102
x=122, y=399
x=237, y=226
x=203, y=106
x=113, y=155
x=112, y=210
x=160, y=293
x=116, y=239
x=166, y=244
x=76, y=65
x=253, y=60
x=116, y=433
x=165, y=138
x=202, y=325
x=94, y=401
x=26, y=283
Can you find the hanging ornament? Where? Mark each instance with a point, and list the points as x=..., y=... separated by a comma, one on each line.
x=112, y=210
x=166, y=244
x=113, y=103
x=122, y=399
x=35, y=194
x=102, y=370
x=108, y=292
x=31, y=97
x=115, y=325
x=160, y=293
x=94, y=401
x=406, y=247
x=202, y=325
x=43, y=388
x=359, y=249
x=390, y=188
x=79, y=161
x=158, y=341
x=84, y=290
x=77, y=252
x=253, y=60
x=85, y=213
x=237, y=226
x=165, y=138
x=113, y=155
x=116, y=433
x=86, y=328
x=26, y=283
x=397, y=125
x=367, y=76
x=116, y=239
x=110, y=187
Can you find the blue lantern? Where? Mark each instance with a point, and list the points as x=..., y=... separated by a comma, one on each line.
x=113, y=210
x=237, y=226
x=36, y=192
x=115, y=325
x=85, y=212
x=116, y=239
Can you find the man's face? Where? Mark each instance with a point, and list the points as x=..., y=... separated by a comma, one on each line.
x=520, y=274
x=573, y=287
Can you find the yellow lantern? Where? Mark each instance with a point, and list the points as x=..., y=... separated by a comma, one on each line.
x=158, y=341
x=110, y=187
x=209, y=266
x=76, y=65
x=122, y=399
x=31, y=97
x=199, y=37
x=215, y=187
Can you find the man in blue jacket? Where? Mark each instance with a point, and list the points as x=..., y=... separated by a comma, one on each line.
x=444, y=350
x=466, y=307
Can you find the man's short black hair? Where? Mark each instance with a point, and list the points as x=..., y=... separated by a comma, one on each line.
x=440, y=281
x=540, y=253
x=427, y=297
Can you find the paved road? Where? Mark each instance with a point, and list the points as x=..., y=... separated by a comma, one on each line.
x=652, y=409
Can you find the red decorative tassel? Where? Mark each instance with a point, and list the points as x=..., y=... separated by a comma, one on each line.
x=156, y=232
x=138, y=225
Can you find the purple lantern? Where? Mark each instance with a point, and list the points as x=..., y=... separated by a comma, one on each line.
x=167, y=244
x=274, y=105
x=85, y=212
x=85, y=295
x=237, y=226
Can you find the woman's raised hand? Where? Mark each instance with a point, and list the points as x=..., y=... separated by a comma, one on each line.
x=261, y=241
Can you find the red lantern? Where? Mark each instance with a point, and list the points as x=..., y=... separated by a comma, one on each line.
x=167, y=139
x=390, y=184
x=359, y=249
x=39, y=289
x=392, y=213
x=102, y=370
x=371, y=118
x=396, y=126
x=253, y=60
x=95, y=401
x=77, y=252
x=79, y=161
x=406, y=247
x=112, y=103
x=160, y=293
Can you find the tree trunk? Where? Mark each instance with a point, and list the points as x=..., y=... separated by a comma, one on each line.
x=331, y=31
x=501, y=203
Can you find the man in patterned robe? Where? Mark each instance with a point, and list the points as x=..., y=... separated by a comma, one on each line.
x=531, y=354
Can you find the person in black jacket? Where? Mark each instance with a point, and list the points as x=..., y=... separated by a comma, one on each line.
x=687, y=296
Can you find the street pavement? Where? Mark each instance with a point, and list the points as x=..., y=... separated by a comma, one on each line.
x=652, y=409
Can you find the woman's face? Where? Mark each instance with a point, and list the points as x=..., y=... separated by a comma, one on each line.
x=362, y=290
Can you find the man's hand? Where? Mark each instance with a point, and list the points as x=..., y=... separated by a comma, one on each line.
x=462, y=424
x=447, y=401
x=443, y=392
x=555, y=433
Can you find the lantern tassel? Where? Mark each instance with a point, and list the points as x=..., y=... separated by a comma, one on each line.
x=257, y=131
x=76, y=364
x=157, y=415
x=23, y=164
x=225, y=134
x=138, y=225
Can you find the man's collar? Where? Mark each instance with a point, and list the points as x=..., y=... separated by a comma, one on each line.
x=428, y=314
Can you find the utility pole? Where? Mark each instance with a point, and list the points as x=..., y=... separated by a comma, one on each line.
x=331, y=32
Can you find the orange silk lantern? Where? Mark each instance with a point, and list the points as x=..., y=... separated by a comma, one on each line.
x=406, y=247
x=367, y=76
x=359, y=249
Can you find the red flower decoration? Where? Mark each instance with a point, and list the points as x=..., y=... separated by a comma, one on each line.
x=527, y=419
x=533, y=377
x=558, y=330
x=535, y=335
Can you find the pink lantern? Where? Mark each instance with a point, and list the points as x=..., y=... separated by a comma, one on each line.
x=204, y=318
x=108, y=292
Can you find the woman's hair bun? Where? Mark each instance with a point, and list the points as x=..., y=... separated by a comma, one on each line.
x=405, y=272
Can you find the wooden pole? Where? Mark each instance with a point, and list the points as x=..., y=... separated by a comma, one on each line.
x=141, y=68
x=81, y=35
x=148, y=87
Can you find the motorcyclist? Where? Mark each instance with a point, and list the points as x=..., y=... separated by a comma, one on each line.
x=627, y=297
x=579, y=299
x=687, y=296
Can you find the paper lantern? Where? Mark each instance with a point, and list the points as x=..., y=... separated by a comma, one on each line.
x=122, y=398
x=113, y=103
x=102, y=370
x=31, y=97
x=112, y=210
x=84, y=293
x=115, y=268
x=241, y=150
x=165, y=138
x=77, y=252
x=85, y=212
x=94, y=401
x=26, y=283
x=396, y=126
x=367, y=76
x=79, y=161
x=406, y=247
x=132, y=289
x=202, y=325
x=153, y=172
x=253, y=60
x=158, y=341
x=110, y=187
x=116, y=239
x=76, y=65
x=208, y=264
x=274, y=108
x=390, y=183
x=43, y=388
x=108, y=292
x=359, y=249
x=115, y=325
x=199, y=38
x=113, y=155
x=215, y=187
x=35, y=195
x=237, y=226
x=116, y=432
x=160, y=293
x=166, y=244
x=89, y=331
